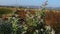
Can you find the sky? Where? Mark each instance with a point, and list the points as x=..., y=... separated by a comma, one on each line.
x=51, y=3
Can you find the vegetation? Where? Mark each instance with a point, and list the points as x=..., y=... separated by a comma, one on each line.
x=5, y=11
x=26, y=22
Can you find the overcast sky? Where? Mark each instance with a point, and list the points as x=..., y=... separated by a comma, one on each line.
x=51, y=3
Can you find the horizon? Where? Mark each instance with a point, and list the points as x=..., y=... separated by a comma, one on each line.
x=53, y=3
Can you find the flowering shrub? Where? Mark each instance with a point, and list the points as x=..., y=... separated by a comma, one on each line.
x=33, y=24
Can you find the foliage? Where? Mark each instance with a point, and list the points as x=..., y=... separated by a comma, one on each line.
x=5, y=11
x=5, y=28
x=34, y=24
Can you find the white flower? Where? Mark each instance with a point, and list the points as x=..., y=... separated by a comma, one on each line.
x=53, y=32
x=16, y=15
x=48, y=27
x=23, y=32
x=13, y=18
x=42, y=30
x=36, y=31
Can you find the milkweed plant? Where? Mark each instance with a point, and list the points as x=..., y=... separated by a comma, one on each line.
x=36, y=23
x=33, y=24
